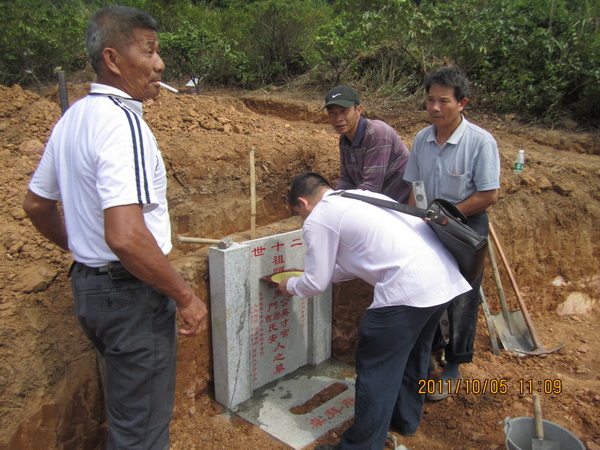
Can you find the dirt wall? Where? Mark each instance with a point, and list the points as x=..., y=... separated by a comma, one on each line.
x=548, y=220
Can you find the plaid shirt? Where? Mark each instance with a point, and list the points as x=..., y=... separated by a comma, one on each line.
x=375, y=161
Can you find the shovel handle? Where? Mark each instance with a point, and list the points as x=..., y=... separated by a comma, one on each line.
x=537, y=417
x=501, y=296
x=528, y=321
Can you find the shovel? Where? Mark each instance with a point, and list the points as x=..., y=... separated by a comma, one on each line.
x=510, y=325
x=490, y=322
x=539, y=443
x=538, y=347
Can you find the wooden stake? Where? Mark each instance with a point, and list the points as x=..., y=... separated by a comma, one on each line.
x=252, y=195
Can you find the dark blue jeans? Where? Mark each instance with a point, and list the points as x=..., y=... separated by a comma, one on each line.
x=394, y=344
x=462, y=312
x=132, y=326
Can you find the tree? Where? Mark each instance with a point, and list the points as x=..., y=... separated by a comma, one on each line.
x=38, y=37
x=340, y=44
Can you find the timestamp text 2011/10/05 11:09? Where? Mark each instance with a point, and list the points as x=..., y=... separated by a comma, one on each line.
x=492, y=386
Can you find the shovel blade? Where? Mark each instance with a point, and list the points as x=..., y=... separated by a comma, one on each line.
x=513, y=332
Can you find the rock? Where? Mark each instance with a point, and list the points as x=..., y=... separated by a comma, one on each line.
x=576, y=303
x=34, y=279
x=451, y=426
x=17, y=213
x=37, y=320
x=563, y=188
x=31, y=147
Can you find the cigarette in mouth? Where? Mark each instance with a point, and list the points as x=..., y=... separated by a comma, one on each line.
x=167, y=87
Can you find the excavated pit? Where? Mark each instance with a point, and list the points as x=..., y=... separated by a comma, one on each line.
x=547, y=220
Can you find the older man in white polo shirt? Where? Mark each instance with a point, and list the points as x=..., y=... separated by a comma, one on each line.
x=103, y=164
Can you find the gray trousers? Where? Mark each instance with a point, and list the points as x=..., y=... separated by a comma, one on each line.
x=133, y=327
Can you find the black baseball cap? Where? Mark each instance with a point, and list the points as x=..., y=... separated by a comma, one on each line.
x=343, y=96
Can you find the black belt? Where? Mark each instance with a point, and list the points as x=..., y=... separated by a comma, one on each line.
x=103, y=270
x=114, y=269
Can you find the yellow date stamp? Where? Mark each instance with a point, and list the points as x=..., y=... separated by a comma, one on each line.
x=501, y=386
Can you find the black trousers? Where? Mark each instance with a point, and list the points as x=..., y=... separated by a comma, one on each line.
x=463, y=311
x=392, y=357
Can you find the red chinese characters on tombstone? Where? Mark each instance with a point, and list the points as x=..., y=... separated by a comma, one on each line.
x=331, y=413
x=254, y=364
x=257, y=343
x=279, y=356
x=278, y=330
x=316, y=422
x=278, y=246
x=278, y=259
x=273, y=327
x=348, y=402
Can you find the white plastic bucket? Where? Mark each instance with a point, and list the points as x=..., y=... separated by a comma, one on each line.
x=520, y=430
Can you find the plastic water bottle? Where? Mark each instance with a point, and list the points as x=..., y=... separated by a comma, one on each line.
x=519, y=162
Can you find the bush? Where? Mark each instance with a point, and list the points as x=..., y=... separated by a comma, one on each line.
x=540, y=59
x=38, y=38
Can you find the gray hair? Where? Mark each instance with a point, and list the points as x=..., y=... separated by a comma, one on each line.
x=113, y=27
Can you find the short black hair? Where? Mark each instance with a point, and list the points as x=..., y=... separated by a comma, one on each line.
x=113, y=26
x=450, y=76
x=306, y=185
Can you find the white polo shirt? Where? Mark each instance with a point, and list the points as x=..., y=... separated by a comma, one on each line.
x=396, y=253
x=102, y=154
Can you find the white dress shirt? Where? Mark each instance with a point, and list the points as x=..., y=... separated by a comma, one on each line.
x=396, y=253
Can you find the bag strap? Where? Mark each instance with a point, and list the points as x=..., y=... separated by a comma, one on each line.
x=407, y=209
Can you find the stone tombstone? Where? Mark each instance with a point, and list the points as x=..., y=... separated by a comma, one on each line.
x=258, y=334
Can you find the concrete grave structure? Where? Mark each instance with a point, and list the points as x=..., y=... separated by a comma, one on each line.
x=259, y=335
x=270, y=347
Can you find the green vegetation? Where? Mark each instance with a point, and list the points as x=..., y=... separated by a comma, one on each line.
x=539, y=59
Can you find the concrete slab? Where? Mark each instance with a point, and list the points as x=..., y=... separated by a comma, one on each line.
x=269, y=408
x=259, y=335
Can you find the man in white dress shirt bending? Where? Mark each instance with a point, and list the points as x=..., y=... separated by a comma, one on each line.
x=414, y=278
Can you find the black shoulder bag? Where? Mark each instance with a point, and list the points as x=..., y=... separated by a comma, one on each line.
x=450, y=226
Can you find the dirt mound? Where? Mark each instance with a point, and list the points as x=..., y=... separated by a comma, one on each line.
x=548, y=221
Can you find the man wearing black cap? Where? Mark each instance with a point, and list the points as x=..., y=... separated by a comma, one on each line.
x=372, y=155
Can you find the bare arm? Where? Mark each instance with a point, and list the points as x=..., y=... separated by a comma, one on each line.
x=344, y=181
x=411, y=198
x=129, y=238
x=46, y=217
x=478, y=202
